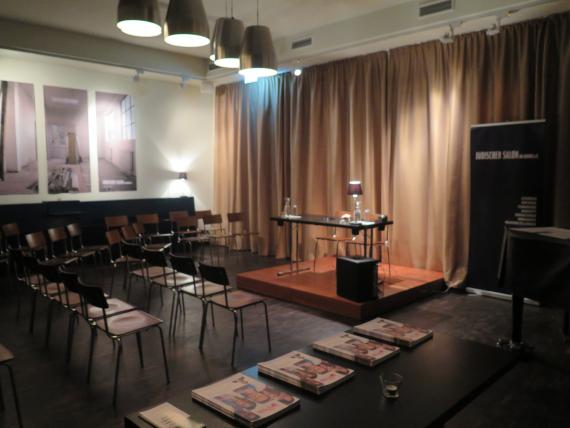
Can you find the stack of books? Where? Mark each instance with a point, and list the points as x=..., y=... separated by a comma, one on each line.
x=166, y=415
x=246, y=400
x=305, y=371
x=393, y=332
x=356, y=348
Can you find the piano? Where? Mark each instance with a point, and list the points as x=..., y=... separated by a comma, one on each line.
x=536, y=266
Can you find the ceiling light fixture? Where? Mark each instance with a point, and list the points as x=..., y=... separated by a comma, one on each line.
x=186, y=24
x=494, y=29
x=258, y=56
x=298, y=71
x=139, y=18
x=448, y=37
x=228, y=41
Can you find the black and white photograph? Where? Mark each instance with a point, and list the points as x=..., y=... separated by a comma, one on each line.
x=67, y=139
x=116, y=142
x=18, y=153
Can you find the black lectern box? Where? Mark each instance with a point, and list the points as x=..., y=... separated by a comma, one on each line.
x=357, y=278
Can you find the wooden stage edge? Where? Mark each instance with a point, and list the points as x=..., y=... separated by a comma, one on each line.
x=317, y=290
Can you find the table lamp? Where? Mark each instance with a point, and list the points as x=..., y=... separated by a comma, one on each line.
x=355, y=189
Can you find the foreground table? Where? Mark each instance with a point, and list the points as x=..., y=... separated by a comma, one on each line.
x=441, y=377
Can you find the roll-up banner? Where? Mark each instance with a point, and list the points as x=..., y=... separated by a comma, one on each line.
x=507, y=185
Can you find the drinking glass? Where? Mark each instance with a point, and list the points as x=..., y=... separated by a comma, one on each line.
x=391, y=384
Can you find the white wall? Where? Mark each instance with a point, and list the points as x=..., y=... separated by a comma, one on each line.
x=174, y=128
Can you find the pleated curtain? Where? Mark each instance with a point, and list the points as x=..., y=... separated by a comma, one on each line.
x=399, y=122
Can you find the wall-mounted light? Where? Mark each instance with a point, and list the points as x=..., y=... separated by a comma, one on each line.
x=183, y=176
x=139, y=18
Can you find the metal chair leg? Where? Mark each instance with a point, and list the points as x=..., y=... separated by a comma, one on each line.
x=91, y=349
x=115, y=388
x=164, y=355
x=203, y=326
x=139, y=346
x=172, y=311
x=2, y=405
x=70, y=334
x=234, y=338
x=33, y=311
x=15, y=393
x=267, y=326
x=213, y=318
x=48, y=323
x=241, y=322
x=112, y=281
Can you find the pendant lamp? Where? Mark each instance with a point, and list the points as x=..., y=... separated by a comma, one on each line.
x=229, y=38
x=186, y=24
x=214, y=40
x=139, y=18
x=258, y=58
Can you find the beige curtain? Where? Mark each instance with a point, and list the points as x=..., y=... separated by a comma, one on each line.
x=400, y=122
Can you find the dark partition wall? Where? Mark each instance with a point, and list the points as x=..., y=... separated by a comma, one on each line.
x=508, y=184
x=34, y=217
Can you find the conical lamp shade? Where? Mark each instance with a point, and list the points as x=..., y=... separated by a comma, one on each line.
x=227, y=47
x=214, y=39
x=186, y=24
x=257, y=53
x=139, y=18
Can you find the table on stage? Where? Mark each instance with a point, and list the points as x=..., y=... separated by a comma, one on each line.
x=536, y=266
x=441, y=376
x=367, y=227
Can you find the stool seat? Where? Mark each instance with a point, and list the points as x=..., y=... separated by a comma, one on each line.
x=238, y=299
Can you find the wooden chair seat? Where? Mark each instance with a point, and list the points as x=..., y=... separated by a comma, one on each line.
x=61, y=260
x=158, y=246
x=238, y=299
x=116, y=306
x=70, y=298
x=169, y=280
x=5, y=354
x=52, y=289
x=153, y=272
x=124, y=259
x=333, y=238
x=210, y=289
x=129, y=323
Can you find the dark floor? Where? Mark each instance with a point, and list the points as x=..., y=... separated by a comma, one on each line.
x=535, y=393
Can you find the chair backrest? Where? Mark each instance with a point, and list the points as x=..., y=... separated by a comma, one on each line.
x=11, y=233
x=116, y=222
x=138, y=228
x=183, y=264
x=129, y=233
x=149, y=222
x=132, y=250
x=217, y=275
x=74, y=230
x=173, y=216
x=58, y=235
x=186, y=223
x=37, y=242
x=154, y=257
x=93, y=295
x=203, y=213
x=213, y=220
x=70, y=279
x=236, y=217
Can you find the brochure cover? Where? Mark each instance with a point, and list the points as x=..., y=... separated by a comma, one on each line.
x=166, y=415
x=393, y=332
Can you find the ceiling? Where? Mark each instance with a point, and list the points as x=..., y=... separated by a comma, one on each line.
x=97, y=17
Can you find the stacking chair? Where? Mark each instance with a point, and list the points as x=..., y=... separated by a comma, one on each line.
x=11, y=233
x=187, y=233
x=117, y=327
x=59, y=243
x=5, y=358
x=116, y=257
x=129, y=233
x=197, y=289
x=174, y=216
x=116, y=222
x=77, y=247
x=151, y=228
x=239, y=219
x=88, y=312
x=334, y=238
x=200, y=215
x=234, y=301
x=216, y=232
x=164, y=277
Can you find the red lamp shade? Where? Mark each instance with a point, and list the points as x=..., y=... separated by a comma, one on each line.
x=354, y=188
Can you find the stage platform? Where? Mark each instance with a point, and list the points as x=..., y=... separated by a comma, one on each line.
x=318, y=289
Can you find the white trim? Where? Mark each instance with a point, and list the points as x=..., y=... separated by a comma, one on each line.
x=497, y=295
x=520, y=122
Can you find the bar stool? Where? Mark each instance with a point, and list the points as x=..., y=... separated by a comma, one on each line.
x=5, y=357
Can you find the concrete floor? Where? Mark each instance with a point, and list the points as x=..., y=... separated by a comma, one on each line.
x=533, y=394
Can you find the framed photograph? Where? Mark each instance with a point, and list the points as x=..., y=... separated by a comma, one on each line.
x=18, y=152
x=67, y=139
x=116, y=142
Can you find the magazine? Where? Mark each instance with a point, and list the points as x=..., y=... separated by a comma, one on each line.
x=356, y=348
x=166, y=415
x=393, y=332
x=245, y=400
x=305, y=371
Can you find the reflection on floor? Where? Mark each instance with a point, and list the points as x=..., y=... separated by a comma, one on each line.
x=21, y=183
x=112, y=179
x=64, y=178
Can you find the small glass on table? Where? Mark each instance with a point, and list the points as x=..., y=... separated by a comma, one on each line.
x=391, y=384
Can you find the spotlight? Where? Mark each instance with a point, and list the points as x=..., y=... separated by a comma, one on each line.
x=184, y=81
x=137, y=77
x=448, y=37
x=298, y=71
x=495, y=28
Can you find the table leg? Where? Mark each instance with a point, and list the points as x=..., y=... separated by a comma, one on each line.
x=297, y=246
x=291, y=246
x=518, y=307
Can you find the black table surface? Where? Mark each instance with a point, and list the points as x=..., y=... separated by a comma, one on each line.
x=441, y=376
x=320, y=220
